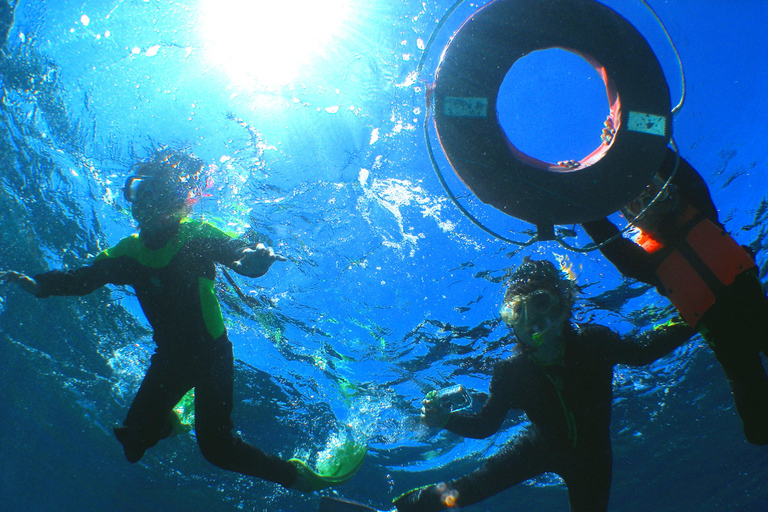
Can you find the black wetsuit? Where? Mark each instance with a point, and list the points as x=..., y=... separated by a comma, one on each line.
x=174, y=284
x=735, y=326
x=569, y=407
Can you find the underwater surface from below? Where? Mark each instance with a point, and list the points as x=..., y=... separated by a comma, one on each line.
x=388, y=291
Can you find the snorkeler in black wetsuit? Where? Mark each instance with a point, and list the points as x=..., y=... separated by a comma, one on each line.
x=561, y=375
x=171, y=265
x=685, y=252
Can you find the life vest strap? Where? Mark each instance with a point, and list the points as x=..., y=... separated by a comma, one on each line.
x=700, y=265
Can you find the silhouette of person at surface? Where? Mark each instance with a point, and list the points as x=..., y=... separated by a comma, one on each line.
x=561, y=375
x=170, y=264
x=684, y=251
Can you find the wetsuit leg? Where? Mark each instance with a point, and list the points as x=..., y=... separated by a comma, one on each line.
x=213, y=423
x=588, y=478
x=148, y=418
x=749, y=386
x=525, y=458
x=737, y=328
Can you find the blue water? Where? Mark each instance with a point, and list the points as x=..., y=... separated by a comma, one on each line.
x=389, y=290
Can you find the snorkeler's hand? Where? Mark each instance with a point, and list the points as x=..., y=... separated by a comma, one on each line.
x=435, y=412
x=255, y=262
x=609, y=130
x=26, y=283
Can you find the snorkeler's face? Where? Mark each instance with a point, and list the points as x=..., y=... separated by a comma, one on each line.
x=155, y=203
x=535, y=317
x=155, y=215
x=152, y=216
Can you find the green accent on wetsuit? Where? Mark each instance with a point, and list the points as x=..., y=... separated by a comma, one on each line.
x=133, y=247
x=416, y=491
x=214, y=321
x=570, y=419
x=189, y=229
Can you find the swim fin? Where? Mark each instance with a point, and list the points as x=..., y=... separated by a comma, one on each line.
x=342, y=470
x=341, y=505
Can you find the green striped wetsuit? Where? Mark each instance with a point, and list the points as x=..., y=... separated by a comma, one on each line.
x=174, y=282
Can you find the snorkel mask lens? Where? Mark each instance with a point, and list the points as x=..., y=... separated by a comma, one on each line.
x=634, y=208
x=534, y=315
x=135, y=188
x=654, y=191
x=521, y=308
x=511, y=312
x=154, y=190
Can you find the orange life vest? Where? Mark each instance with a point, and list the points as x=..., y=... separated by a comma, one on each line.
x=698, y=264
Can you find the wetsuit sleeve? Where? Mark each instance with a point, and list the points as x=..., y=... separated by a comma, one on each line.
x=488, y=420
x=691, y=187
x=629, y=258
x=81, y=281
x=219, y=246
x=649, y=346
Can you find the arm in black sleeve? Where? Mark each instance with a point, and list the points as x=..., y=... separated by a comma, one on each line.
x=692, y=187
x=220, y=246
x=81, y=281
x=629, y=258
x=246, y=261
x=230, y=251
x=225, y=249
x=651, y=345
x=488, y=420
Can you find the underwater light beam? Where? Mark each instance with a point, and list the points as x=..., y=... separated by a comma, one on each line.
x=266, y=42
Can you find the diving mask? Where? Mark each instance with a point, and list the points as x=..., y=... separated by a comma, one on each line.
x=533, y=316
x=161, y=192
x=136, y=188
x=658, y=192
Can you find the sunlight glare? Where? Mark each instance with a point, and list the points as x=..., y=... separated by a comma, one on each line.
x=266, y=42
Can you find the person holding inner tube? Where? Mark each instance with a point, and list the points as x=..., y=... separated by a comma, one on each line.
x=685, y=252
x=561, y=375
x=170, y=264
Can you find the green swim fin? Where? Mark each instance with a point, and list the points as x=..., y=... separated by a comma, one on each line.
x=183, y=414
x=342, y=469
x=341, y=505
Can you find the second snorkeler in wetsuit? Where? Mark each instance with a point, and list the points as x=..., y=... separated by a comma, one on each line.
x=685, y=252
x=561, y=375
x=171, y=266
